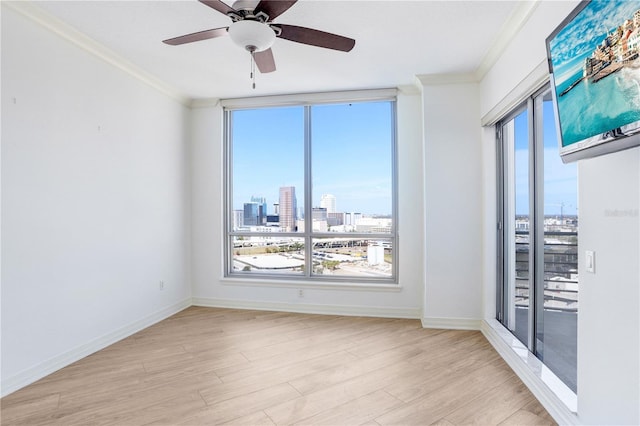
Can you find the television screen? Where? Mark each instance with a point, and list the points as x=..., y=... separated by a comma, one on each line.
x=595, y=75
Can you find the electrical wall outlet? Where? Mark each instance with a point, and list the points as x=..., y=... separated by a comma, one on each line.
x=161, y=285
x=300, y=293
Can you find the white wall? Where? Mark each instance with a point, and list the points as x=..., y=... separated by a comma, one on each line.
x=453, y=204
x=95, y=207
x=608, y=321
x=609, y=318
x=209, y=287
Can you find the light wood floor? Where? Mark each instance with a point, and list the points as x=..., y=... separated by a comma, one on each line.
x=211, y=366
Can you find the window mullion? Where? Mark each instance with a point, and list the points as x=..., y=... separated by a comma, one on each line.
x=538, y=228
x=394, y=176
x=532, y=225
x=228, y=188
x=500, y=228
x=308, y=204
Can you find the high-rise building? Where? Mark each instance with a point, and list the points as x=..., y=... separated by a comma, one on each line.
x=328, y=201
x=288, y=208
x=238, y=219
x=319, y=213
x=262, y=208
x=351, y=218
x=335, y=219
x=251, y=214
x=319, y=219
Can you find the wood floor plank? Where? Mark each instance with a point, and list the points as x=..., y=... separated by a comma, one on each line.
x=355, y=412
x=493, y=406
x=14, y=409
x=207, y=366
x=93, y=397
x=243, y=405
x=341, y=328
x=338, y=344
x=165, y=413
x=341, y=393
x=525, y=418
x=255, y=419
x=345, y=371
x=442, y=422
x=271, y=377
x=446, y=395
x=445, y=371
x=534, y=407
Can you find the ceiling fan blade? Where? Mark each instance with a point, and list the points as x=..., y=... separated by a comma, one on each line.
x=200, y=35
x=274, y=8
x=316, y=37
x=264, y=61
x=218, y=5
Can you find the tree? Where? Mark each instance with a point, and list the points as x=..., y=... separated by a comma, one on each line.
x=331, y=265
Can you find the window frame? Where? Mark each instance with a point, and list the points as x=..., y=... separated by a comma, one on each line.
x=307, y=102
x=533, y=106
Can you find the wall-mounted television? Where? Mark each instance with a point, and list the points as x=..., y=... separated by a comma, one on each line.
x=594, y=61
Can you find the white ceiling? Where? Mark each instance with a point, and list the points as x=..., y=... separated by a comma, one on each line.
x=395, y=41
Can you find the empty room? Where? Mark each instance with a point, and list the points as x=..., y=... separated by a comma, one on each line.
x=358, y=212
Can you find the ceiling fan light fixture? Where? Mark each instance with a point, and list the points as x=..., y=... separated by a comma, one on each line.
x=252, y=35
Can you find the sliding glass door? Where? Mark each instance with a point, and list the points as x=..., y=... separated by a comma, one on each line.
x=516, y=143
x=538, y=237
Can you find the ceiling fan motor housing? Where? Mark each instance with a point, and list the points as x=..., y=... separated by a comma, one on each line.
x=249, y=5
x=254, y=36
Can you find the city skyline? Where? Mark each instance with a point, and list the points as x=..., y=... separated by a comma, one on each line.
x=254, y=212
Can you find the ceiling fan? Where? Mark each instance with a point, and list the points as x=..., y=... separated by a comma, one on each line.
x=254, y=30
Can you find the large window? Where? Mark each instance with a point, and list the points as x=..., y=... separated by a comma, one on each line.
x=538, y=237
x=311, y=192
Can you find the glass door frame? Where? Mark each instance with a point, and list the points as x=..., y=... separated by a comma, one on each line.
x=533, y=106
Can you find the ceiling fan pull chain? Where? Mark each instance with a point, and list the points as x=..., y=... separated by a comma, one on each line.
x=253, y=68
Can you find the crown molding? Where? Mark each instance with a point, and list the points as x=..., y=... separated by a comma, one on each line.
x=62, y=29
x=514, y=23
x=204, y=103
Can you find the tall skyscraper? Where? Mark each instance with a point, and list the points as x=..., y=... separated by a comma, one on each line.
x=328, y=201
x=262, y=208
x=288, y=208
x=251, y=214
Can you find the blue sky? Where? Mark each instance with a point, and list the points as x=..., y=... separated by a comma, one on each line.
x=351, y=155
x=352, y=158
x=560, y=181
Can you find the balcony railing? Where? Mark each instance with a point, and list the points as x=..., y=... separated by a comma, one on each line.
x=560, y=270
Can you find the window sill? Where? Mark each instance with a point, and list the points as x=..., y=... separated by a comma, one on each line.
x=310, y=284
x=557, y=398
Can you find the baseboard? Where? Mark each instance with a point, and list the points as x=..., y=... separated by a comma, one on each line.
x=526, y=371
x=306, y=308
x=30, y=375
x=452, y=323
